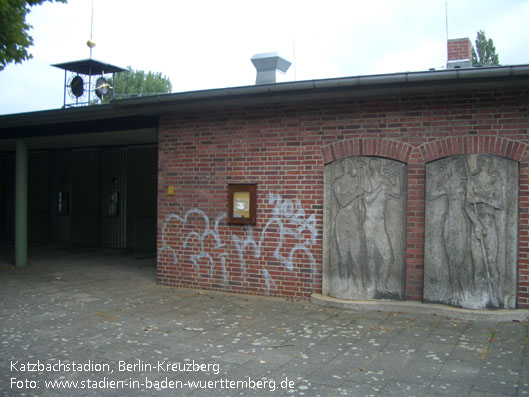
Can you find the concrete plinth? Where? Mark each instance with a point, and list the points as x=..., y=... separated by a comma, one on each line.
x=422, y=308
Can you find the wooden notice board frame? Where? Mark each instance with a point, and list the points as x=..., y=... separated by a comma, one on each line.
x=242, y=203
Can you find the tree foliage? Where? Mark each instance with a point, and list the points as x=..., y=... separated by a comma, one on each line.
x=14, y=31
x=484, y=54
x=134, y=83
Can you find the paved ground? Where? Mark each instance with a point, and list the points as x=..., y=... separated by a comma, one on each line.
x=98, y=321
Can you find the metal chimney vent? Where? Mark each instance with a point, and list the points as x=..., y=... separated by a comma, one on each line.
x=268, y=65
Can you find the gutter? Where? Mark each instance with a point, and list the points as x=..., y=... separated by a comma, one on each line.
x=336, y=87
x=359, y=86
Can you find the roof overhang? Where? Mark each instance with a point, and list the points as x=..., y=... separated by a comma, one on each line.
x=120, y=119
x=89, y=67
x=350, y=87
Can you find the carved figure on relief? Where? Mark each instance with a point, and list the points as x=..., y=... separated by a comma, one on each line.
x=383, y=187
x=475, y=228
x=348, y=190
x=451, y=183
x=484, y=198
x=365, y=262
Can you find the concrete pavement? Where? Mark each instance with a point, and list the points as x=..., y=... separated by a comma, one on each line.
x=77, y=323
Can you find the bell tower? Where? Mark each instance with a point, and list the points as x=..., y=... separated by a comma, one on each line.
x=85, y=78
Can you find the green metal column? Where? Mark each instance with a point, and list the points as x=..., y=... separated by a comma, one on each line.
x=21, y=205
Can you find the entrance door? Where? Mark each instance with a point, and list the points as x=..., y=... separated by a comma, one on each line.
x=85, y=199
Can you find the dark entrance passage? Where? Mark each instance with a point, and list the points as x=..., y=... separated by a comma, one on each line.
x=84, y=203
x=142, y=186
x=90, y=197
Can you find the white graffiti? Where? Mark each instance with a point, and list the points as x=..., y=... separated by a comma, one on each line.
x=200, y=235
x=288, y=219
x=285, y=214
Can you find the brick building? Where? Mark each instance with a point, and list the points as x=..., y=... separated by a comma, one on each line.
x=279, y=138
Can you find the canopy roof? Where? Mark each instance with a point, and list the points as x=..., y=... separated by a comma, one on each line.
x=89, y=67
x=136, y=120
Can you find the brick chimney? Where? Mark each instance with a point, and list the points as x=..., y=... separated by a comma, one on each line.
x=459, y=54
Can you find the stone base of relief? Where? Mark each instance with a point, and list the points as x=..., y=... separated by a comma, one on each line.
x=364, y=228
x=471, y=232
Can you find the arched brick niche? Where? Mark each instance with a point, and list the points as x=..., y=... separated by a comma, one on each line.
x=416, y=157
x=414, y=184
x=452, y=146
x=388, y=148
x=503, y=148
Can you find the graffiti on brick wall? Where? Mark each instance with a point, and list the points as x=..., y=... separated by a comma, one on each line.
x=199, y=236
x=288, y=221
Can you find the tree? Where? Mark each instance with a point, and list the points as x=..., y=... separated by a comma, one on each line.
x=14, y=37
x=484, y=54
x=133, y=83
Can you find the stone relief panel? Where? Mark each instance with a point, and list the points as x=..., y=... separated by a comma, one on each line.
x=364, y=228
x=471, y=231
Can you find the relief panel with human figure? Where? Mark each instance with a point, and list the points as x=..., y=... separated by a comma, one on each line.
x=364, y=232
x=471, y=229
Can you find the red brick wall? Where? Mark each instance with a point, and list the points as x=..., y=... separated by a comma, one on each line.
x=283, y=148
x=459, y=49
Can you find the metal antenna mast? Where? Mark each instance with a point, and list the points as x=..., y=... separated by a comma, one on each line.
x=446, y=16
x=90, y=42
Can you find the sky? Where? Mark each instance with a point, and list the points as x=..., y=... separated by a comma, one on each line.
x=206, y=44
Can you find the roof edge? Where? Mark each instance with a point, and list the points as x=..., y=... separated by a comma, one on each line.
x=383, y=84
x=417, y=79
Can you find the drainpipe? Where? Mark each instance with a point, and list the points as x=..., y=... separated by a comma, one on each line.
x=21, y=205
